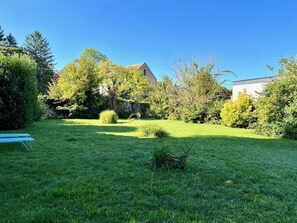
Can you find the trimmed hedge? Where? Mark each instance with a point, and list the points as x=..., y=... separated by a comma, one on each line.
x=18, y=91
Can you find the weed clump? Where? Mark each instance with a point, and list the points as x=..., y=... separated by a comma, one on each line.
x=152, y=130
x=163, y=158
x=108, y=117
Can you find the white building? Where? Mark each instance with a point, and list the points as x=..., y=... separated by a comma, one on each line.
x=252, y=86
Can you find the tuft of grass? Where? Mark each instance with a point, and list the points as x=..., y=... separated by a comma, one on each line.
x=108, y=117
x=152, y=130
x=164, y=158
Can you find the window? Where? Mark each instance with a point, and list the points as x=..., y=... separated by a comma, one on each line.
x=144, y=72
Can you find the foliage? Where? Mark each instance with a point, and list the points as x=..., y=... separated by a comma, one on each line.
x=108, y=117
x=2, y=36
x=163, y=98
x=198, y=86
x=275, y=107
x=164, y=159
x=214, y=111
x=152, y=130
x=190, y=114
x=239, y=113
x=11, y=40
x=39, y=50
x=76, y=90
x=18, y=93
x=122, y=83
x=290, y=120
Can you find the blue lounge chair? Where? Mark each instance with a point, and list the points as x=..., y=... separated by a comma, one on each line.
x=23, y=138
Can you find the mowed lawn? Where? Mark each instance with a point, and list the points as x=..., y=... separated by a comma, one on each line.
x=83, y=171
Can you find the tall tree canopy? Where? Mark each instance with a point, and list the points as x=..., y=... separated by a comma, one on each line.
x=39, y=50
x=77, y=87
x=122, y=83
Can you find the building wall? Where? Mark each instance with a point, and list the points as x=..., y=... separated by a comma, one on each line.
x=253, y=87
x=148, y=73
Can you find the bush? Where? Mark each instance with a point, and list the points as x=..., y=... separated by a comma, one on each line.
x=108, y=117
x=163, y=158
x=276, y=108
x=18, y=91
x=290, y=121
x=239, y=113
x=214, y=112
x=191, y=114
x=152, y=130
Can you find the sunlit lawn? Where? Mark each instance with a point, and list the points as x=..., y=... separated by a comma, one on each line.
x=82, y=171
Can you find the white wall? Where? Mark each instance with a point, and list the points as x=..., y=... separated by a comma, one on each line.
x=251, y=89
x=253, y=86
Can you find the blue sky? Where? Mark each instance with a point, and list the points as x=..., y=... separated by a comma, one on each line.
x=240, y=35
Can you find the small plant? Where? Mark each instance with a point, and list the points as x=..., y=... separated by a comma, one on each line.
x=108, y=117
x=163, y=158
x=153, y=130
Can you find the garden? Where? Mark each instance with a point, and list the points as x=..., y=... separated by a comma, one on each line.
x=190, y=154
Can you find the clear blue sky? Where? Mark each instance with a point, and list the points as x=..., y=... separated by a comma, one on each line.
x=241, y=35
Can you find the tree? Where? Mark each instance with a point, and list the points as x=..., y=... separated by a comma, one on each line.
x=198, y=86
x=277, y=102
x=38, y=48
x=239, y=113
x=2, y=36
x=164, y=99
x=76, y=90
x=11, y=40
x=122, y=83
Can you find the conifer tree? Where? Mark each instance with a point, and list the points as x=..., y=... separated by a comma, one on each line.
x=11, y=40
x=2, y=36
x=38, y=48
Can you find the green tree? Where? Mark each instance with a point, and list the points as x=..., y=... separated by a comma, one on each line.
x=122, y=83
x=164, y=99
x=277, y=100
x=239, y=113
x=199, y=86
x=77, y=87
x=11, y=40
x=18, y=92
x=39, y=50
x=2, y=36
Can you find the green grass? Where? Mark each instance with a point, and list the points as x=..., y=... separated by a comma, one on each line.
x=83, y=171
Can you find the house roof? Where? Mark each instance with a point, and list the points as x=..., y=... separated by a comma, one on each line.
x=136, y=66
x=254, y=80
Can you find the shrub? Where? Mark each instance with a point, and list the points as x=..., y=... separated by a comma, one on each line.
x=18, y=91
x=152, y=130
x=108, y=117
x=163, y=158
x=214, y=112
x=276, y=107
x=191, y=114
x=239, y=113
x=290, y=121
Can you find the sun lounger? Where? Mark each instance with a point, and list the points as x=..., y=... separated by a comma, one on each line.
x=23, y=138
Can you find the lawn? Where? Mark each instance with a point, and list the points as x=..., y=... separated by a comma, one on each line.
x=82, y=171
